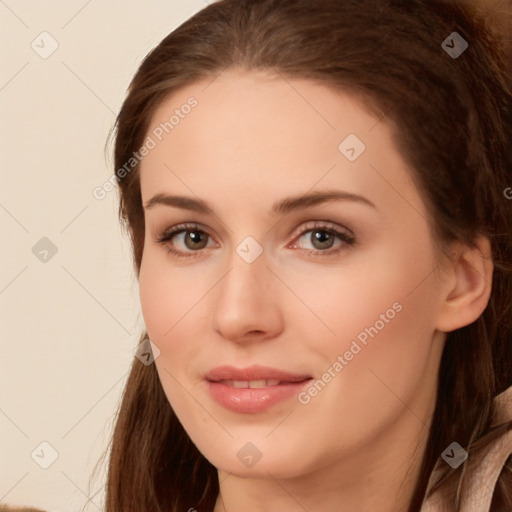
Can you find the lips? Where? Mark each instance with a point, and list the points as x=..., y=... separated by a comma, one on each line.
x=253, y=373
x=254, y=389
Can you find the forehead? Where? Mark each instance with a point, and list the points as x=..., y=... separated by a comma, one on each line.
x=258, y=110
x=268, y=135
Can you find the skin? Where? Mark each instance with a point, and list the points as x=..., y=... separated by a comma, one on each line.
x=252, y=140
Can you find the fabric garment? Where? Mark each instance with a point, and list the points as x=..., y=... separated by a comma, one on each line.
x=483, y=469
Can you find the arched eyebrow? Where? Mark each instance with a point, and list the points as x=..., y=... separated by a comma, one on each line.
x=281, y=207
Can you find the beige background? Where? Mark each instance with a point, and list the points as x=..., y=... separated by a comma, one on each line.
x=68, y=325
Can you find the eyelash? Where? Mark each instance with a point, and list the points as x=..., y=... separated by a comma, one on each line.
x=347, y=239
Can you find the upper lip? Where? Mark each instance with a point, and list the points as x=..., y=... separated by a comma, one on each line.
x=255, y=372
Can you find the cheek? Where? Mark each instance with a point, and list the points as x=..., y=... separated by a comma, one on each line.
x=168, y=294
x=380, y=309
x=170, y=300
x=383, y=315
x=385, y=289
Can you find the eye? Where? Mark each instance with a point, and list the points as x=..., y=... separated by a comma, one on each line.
x=324, y=239
x=185, y=240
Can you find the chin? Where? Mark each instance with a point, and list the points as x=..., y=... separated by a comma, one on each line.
x=255, y=460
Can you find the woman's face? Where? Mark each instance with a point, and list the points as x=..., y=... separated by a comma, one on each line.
x=302, y=261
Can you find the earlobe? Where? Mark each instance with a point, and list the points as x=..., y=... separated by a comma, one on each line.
x=469, y=278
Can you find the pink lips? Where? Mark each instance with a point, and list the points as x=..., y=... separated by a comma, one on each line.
x=253, y=389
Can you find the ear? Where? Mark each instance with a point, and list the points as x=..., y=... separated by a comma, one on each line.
x=467, y=280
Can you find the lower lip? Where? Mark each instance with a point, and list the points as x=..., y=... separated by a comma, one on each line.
x=253, y=400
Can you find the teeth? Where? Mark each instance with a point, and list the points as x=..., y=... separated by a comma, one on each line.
x=258, y=384
x=251, y=383
x=272, y=382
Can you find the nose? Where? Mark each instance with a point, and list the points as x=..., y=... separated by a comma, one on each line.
x=246, y=302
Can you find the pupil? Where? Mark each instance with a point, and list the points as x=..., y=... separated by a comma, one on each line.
x=322, y=239
x=195, y=238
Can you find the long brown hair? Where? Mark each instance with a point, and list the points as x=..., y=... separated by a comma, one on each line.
x=453, y=126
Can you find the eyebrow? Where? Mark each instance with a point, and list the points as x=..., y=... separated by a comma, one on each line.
x=283, y=206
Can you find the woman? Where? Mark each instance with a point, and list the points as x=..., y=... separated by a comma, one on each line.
x=318, y=198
